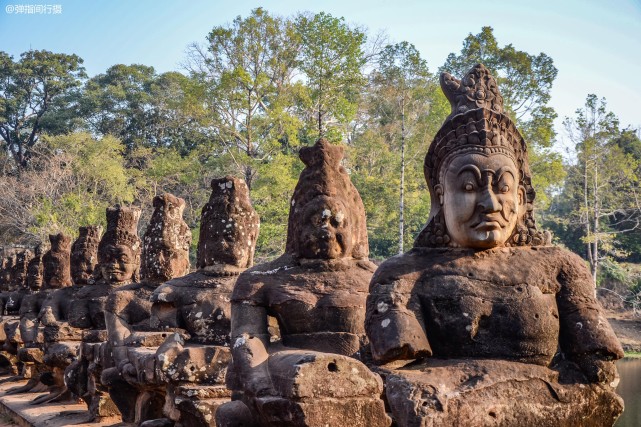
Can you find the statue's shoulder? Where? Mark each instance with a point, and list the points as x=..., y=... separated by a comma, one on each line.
x=412, y=263
x=255, y=281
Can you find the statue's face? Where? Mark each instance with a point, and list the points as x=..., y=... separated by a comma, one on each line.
x=326, y=233
x=481, y=200
x=83, y=270
x=118, y=263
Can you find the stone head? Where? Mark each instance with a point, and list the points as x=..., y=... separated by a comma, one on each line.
x=229, y=226
x=326, y=216
x=19, y=276
x=165, y=250
x=119, y=248
x=478, y=173
x=56, y=262
x=8, y=261
x=84, y=254
x=35, y=269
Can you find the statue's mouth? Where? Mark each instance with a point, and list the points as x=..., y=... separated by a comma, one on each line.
x=488, y=223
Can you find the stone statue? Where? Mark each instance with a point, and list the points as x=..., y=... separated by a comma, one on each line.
x=503, y=327
x=73, y=317
x=10, y=299
x=84, y=254
x=165, y=255
x=310, y=375
x=193, y=360
x=55, y=275
x=57, y=262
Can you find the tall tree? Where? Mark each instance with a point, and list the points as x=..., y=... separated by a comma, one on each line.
x=332, y=60
x=603, y=183
x=247, y=68
x=32, y=90
x=401, y=86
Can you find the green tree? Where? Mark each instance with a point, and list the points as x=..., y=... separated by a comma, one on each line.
x=33, y=90
x=525, y=81
x=144, y=109
x=602, y=187
x=247, y=68
x=401, y=87
x=73, y=178
x=332, y=60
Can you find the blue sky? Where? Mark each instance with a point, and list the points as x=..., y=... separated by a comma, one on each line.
x=595, y=44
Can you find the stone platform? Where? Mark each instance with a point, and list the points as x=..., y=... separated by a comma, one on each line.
x=22, y=413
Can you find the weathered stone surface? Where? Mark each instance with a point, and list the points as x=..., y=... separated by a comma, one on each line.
x=35, y=270
x=484, y=392
x=317, y=292
x=505, y=327
x=229, y=226
x=57, y=270
x=84, y=254
x=131, y=369
x=199, y=305
x=68, y=312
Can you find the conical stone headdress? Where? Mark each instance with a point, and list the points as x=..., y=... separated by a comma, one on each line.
x=324, y=176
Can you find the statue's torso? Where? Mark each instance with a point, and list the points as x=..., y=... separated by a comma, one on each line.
x=481, y=315
x=318, y=306
x=500, y=303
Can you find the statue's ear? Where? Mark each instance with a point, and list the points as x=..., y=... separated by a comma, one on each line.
x=438, y=189
x=521, y=196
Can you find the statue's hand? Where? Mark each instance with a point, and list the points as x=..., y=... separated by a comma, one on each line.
x=598, y=370
x=250, y=364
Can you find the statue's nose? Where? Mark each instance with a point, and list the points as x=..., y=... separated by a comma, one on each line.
x=489, y=202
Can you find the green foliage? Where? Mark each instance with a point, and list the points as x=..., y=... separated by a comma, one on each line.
x=95, y=179
x=144, y=109
x=331, y=58
x=256, y=91
x=271, y=197
x=36, y=96
x=595, y=206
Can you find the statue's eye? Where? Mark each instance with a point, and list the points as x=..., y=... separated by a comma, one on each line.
x=468, y=186
x=504, y=188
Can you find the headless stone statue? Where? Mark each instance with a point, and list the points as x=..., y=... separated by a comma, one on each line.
x=165, y=255
x=199, y=304
x=505, y=328
x=316, y=291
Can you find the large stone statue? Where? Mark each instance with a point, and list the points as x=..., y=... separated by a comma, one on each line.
x=165, y=255
x=310, y=375
x=505, y=328
x=194, y=359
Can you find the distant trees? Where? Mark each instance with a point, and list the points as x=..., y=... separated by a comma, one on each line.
x=601, y=198
x=332, y=60
x=36, y=96
x=246, y=69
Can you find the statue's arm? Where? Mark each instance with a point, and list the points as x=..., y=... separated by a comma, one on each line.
x=249, y=341
x=393, y=321
x=585, y=335
x=116, y=318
